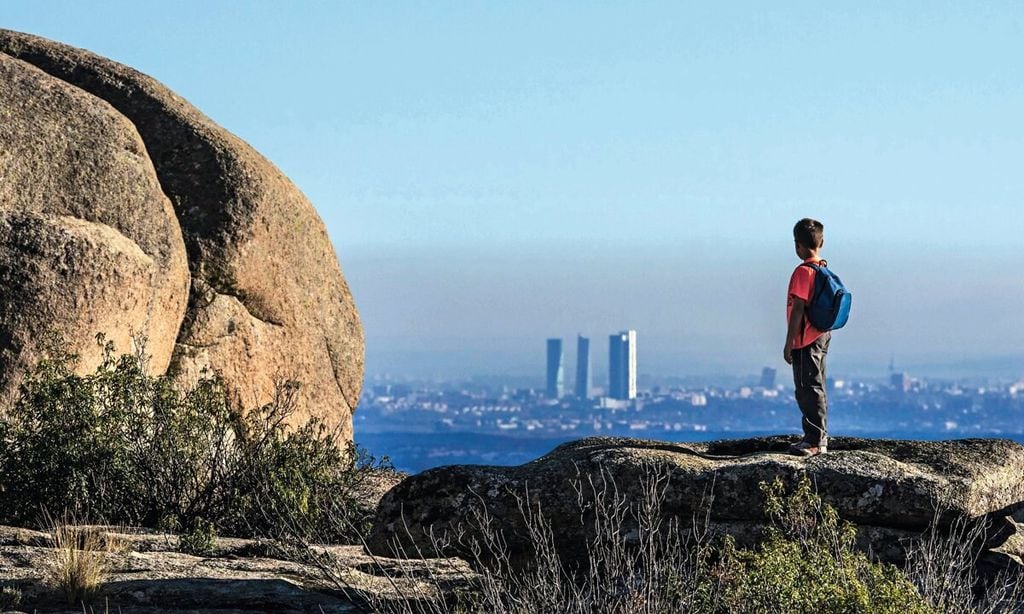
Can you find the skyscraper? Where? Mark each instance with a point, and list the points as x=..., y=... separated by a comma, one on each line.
x=622, y=365
x=900, y=381
x=556, y=375
x=582, y=367
x=768, y=377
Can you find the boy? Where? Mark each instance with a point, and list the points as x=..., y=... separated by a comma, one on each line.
x=806, y=346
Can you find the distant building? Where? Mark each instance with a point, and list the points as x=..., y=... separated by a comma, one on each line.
x=582, y=367
x=610, y=403
x=622, y=365
x=556, y=373
x=768, y=377
x=1017, y=388
x=900, y=382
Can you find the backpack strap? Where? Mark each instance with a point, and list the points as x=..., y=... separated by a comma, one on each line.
x=816, y=267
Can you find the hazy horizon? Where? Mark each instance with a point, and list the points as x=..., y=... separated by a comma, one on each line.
x=493, y=175
x=506, y=306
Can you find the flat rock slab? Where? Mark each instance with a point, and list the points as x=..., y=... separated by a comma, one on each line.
x=146, y=574
x=890, y=484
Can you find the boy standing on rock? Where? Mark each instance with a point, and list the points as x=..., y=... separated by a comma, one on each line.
x=806, y=346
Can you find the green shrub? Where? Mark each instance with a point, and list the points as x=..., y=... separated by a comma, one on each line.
x=121, y=447
x=808, y=562
x=114, y=445
x=298, y=480
x=200, y=540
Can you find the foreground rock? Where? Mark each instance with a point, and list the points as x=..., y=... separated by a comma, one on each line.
x=147, y=574
x=892, y=490
x=88, y=241
x=267, y=298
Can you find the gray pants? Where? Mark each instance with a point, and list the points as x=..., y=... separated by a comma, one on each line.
x=809, y=378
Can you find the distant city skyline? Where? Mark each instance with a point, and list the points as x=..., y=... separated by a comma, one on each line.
x=492, y=174
x=622, y=368
x=493, y=421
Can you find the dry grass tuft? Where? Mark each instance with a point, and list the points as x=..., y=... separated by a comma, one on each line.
x=80, y=560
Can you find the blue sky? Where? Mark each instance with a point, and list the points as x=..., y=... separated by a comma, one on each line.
x=496, y=173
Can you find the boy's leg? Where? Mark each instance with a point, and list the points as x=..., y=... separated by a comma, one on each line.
x=809, y=379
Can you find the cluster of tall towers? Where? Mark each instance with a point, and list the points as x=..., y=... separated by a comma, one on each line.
x=621, y=367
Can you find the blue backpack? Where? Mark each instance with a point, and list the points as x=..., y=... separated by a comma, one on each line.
x=829, y=307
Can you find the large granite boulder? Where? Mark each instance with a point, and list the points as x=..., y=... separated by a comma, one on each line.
x=88, y=242
x=267, y=301
x=890, y=489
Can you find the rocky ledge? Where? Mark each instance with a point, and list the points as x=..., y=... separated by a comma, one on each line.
x=891, y=490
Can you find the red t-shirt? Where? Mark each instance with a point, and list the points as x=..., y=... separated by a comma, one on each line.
x=801, y=285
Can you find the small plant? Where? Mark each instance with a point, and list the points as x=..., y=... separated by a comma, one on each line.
x=10, y=598
x=201, y=540
x=943, y=565
x=79, y=559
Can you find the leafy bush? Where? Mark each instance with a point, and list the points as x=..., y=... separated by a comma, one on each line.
x=300, y=480
x=807, y=562
x=200, y=540
x=121, y=447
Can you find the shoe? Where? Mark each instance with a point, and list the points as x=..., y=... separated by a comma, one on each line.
x=806, y=448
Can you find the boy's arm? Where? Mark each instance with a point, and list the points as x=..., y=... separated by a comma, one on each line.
x=796, y=321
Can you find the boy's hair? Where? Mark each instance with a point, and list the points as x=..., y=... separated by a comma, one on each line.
x=809, y=233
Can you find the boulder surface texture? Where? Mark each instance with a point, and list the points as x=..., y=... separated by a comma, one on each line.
x=125, y=211
x=889, y=489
